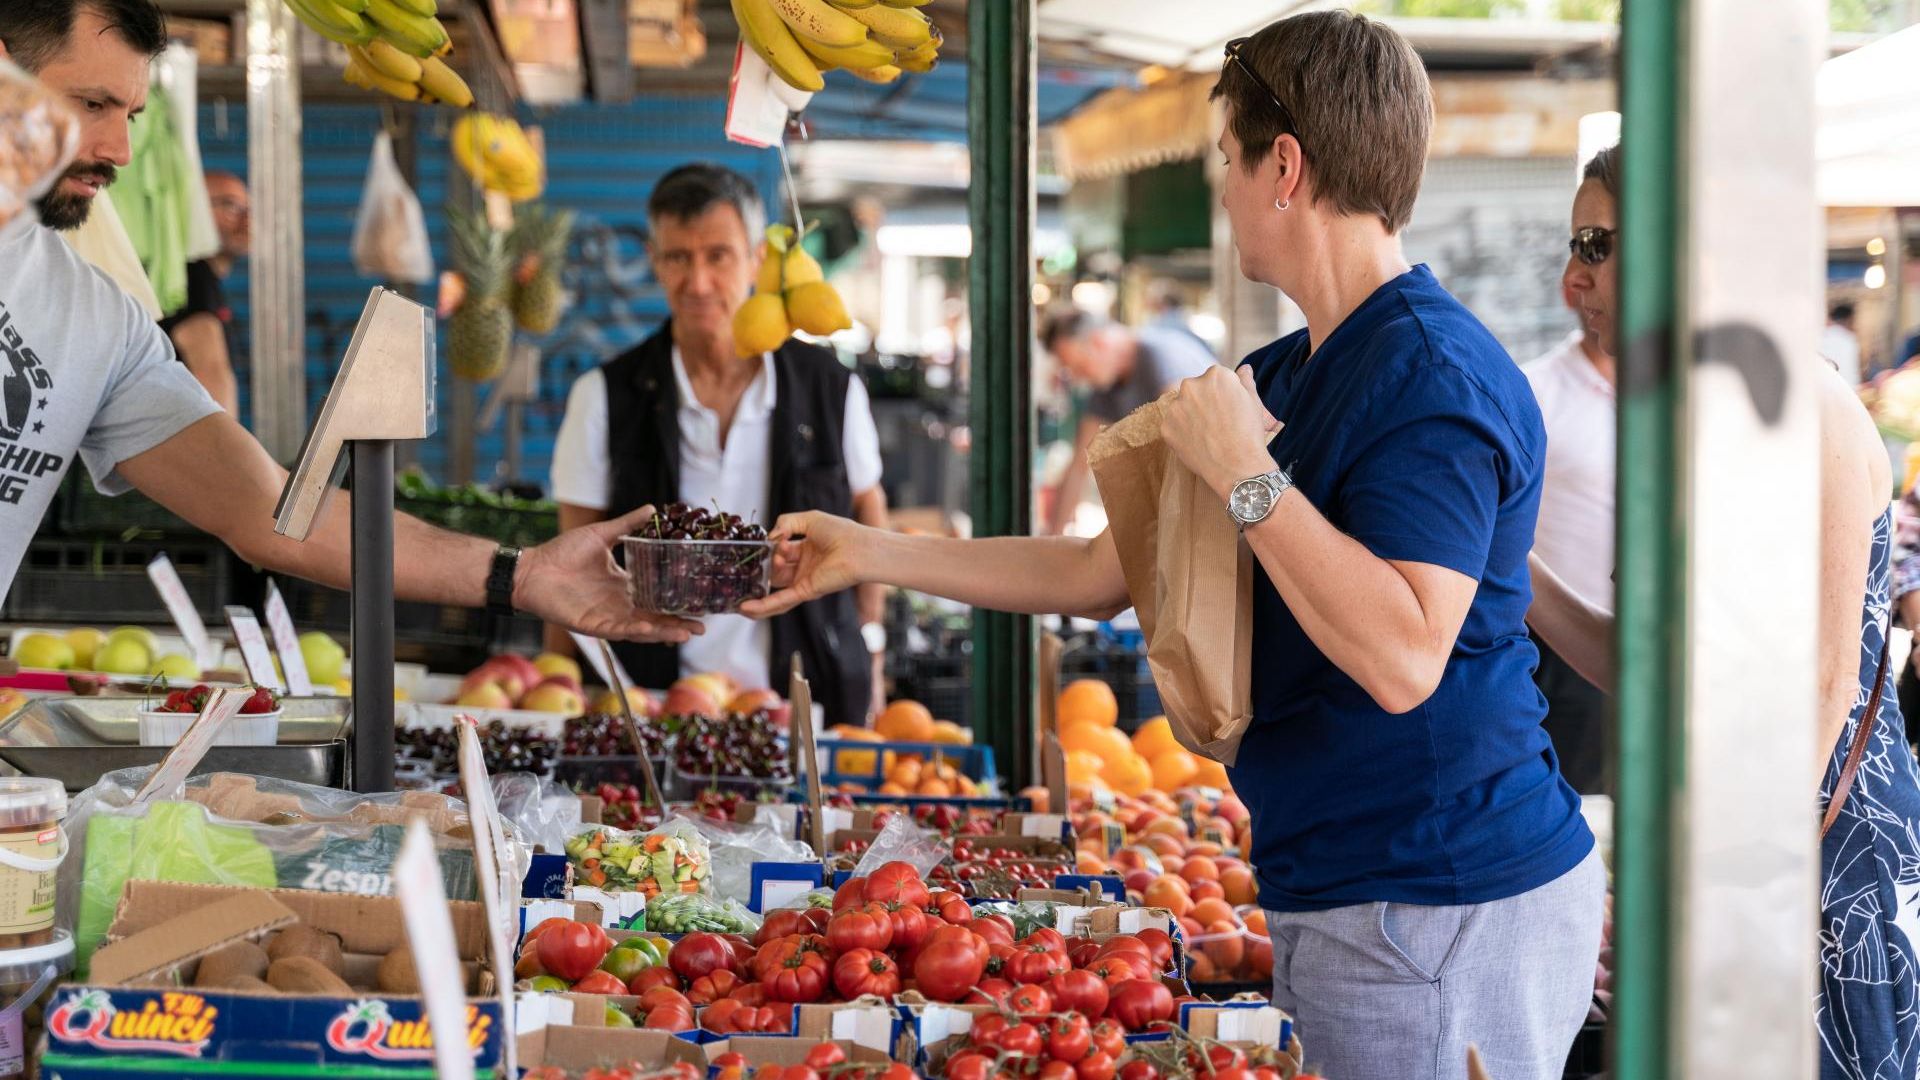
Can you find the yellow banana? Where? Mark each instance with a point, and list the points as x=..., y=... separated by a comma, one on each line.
x=354, y=6
x=765, y=33
x=886, y=73
x=921, y=59
x=900, y=28
x=854, y=3
x=817, y=20
x=444, y=83
x=332, y=23
x=906, y=3
x=359, y=74
x=416, y=35
x=867, y=54
x=419, y=7
x=384, y=59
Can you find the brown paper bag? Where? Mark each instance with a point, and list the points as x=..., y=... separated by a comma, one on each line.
x=1191, y=580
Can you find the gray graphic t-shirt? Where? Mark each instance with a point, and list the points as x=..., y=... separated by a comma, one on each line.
x=1166, y=357
x=82, y=368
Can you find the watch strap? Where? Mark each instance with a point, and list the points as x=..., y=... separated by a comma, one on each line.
x=506, y=560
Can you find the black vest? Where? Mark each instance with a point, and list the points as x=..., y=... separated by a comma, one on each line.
x=807, y=471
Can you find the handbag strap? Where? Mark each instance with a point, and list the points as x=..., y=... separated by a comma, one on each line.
x=1858, y=749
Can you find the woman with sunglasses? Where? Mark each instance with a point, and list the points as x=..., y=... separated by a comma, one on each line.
x=1428, y=878
x=1868, y=1008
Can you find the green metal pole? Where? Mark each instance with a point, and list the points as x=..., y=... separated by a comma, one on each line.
x=1001, y=127
x=1651, y=619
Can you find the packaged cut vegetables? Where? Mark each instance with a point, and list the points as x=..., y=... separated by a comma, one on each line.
x=686, y=913
x=671, y=860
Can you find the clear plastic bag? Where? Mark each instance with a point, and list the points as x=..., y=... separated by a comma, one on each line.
x=667, y=861
x=390, y=231
x=903, y=841
x=737, y=847
x=690, y=912
x=231, y=829
x=543, y=812
x=38, y=137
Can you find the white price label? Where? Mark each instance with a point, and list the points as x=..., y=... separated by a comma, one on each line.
x=782, y=892
x=173, y=593
x=759, y=102
x=1044, y=826
x=1259, y=1025
x=253, y=648
x=871, y=1027
x=286, y=642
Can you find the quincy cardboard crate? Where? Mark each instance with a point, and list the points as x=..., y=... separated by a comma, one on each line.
x=138, y=1012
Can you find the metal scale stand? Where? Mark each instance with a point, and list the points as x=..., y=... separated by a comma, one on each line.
x=383, y=392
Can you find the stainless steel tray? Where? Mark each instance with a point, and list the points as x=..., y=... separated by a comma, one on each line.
x=76, y=740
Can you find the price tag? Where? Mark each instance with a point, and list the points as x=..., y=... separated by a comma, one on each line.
x=778, y=893
x=1260, y=1025
x=1115, y=836
x=253, y=648
x=173, y=593
x=287, y=643
x=436, y=962
x=759, y=101
x=938, y=1023
x=1044, y=826
x=174, y=769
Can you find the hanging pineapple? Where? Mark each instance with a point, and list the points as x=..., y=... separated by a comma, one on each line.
x=480, y=334
x=539, y=244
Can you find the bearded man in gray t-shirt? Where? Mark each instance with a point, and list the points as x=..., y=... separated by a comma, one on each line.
x=84, y=372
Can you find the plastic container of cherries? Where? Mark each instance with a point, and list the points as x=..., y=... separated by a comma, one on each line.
x=258, y=723
x=690, y=561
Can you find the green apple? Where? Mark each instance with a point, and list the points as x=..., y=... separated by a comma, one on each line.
x=137, y=633
x=85, y=641
x=124, y=656
x=324, y=656
x=44, y=651
x=175, y=666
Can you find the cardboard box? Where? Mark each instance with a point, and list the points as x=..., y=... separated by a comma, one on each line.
x=786, y=1050
x=932, y=1029
x=577, y=1048
x=138, y=1005
x=211, y=40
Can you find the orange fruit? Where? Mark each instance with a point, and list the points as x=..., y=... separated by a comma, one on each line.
x=891, y=788
x=906, y=773
x=1205, y=888
x=1089, y=701
x=1090, y=863
x=905, y=721
x=1083, y=766
x=1129, y=775
x=1162, y=845
x=1170, y=864
x=1174, y=769
x=1167, y=826
x=946, y=731
x=1224, y=945
x=1190, y=927
x=1154, y=738
x=1200, y=868
x=1256, y=921
x=1212, y=910
x=1105, y=741
x=1237, y=882
x=1170, y=893
x=1211, y=773
x=1204, y=847
x=934, y=787
x=1200, y=969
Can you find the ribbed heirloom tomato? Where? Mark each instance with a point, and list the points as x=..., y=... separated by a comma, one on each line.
x=1139, y=1003
x=700, y=954
x=946, y=970
x=868, y=927
x=866, y=971
x=896, y=882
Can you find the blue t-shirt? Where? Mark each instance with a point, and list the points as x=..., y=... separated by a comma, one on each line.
x=1413, y=432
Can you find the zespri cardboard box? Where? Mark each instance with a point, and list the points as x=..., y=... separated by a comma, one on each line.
x=139, y=1011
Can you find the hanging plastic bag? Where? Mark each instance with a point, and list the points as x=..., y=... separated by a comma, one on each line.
x=38, y=137
x=543, y=812
x=903, y=841
x=390, y=231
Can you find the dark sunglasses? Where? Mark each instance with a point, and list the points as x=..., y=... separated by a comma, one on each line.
x=1287, y=125
x=1592, y=245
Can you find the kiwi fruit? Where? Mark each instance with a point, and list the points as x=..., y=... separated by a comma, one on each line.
x=305, y=975
x=248, y=983
x=242, y=958
x=316, y=945
x=396, y=974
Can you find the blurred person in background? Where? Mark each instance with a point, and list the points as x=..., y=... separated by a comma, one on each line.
x=200, y=329
x=1124, y=368
x=1840, y=343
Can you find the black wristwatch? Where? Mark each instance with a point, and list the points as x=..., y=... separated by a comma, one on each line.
x=500, y=580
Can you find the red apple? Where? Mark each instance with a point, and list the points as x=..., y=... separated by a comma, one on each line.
x=694, y=700
x=564, y=682
x=747, y=702
x=530, y=675
x=1138, y=880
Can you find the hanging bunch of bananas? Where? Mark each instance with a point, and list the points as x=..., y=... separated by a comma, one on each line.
x=396, y=47
x=496, y=152
x=875, y=40
x=790, y=294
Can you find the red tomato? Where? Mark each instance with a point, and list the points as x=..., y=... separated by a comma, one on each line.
x=1127, y=943
x=897, y=882
x=700, y=954
x=778, y=925
x=719, y=1017
x=1031, y=1001
x=570, y=951
x=800, y=976
x=825, y=1055
x=1082, y=992
x=999, y=956
x=1159, y=948
x=1097, y=1065
x=743, y=950
x=1057, y=1070
x=1083, y=954
x=897, y=1071
x=1023, y=1039
x=953, y=908
x=868, y=927
x=946, y=970
x=1139, y=1069
x=713, y=986
x=661, y=995
x=1069, y=1038
x=997, y=929
x=1048, y=937
x=1238, y=1072
x=910, y=928
x=669, y=1018
x=1139, y=1003
x=1221, y=1056
x=851, y=894
x=1035, y=963
x=1117, y=968
x=941, y=931
x=815, y=920
x=752, y=995
x=995, y=990
x=866, y=971
x=599, y=982
x=969, y=1065
x=1110, y=1038
x=652, y=977
x=798, y=1072
x=1268, y=1072
x=986, y=1029
x=544, y=925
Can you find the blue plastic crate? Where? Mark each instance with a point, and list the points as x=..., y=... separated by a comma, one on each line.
x=975, y=761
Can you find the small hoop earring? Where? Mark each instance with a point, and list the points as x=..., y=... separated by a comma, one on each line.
x=1282, y=204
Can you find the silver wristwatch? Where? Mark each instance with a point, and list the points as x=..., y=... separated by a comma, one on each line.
x=1254, y=498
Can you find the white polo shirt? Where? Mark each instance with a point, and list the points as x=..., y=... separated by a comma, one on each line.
x=1575, y=531
x=735, y=476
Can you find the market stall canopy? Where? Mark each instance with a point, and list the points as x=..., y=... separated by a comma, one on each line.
x=1868, y=142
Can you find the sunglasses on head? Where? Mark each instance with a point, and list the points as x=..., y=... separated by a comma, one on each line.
x=1592, y=244
x=1287, y=125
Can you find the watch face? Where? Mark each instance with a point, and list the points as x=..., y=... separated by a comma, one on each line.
x=1251, y=500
